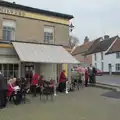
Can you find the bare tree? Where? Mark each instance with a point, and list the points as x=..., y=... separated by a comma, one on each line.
x=73, y=41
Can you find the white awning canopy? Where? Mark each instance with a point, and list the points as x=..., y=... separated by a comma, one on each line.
x=41, y=53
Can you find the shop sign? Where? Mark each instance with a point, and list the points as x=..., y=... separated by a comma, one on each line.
x=11, y=11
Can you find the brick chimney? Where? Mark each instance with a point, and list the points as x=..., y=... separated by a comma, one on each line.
x=86, y=39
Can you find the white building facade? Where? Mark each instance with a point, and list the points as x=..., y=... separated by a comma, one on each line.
x=107, y=63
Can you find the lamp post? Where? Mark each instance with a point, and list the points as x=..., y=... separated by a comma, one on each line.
x=71, y=27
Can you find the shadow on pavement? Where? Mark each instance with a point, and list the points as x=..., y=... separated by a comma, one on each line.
x=112, y=94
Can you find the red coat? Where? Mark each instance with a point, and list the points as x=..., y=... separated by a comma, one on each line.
x=10, y=90
x=35, y=79
x=62, y=77
x=86, y=75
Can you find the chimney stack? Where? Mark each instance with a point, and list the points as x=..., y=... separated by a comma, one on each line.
x=86, y=39
x=106, y=37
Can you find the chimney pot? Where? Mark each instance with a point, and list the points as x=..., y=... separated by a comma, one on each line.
x=106, y=37
x=86, y=39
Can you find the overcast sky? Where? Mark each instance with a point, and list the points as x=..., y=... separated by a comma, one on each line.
x=93, y=18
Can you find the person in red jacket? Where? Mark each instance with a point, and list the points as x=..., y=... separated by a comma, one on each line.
x=11, y=86
x=62, y=81
x=35, y=79
x=86, y=77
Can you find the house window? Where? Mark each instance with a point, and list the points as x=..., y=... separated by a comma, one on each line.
x=117, y=67
x=49, y=34
x=95, y=56
x=95, y=65
x=102, y=66
x=118, y=55
x=9, y=70
x=101, y=55
x=9, y=30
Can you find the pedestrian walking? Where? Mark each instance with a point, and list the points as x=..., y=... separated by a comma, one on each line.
x=3, y=91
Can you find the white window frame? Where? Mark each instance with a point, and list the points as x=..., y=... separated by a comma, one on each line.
x=49, y=30
x=118, y=67
x=117, y=55
x=9, y=26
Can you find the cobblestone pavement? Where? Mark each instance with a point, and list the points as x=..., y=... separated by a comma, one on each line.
x=86, y=104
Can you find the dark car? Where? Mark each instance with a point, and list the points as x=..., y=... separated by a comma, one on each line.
x=99, y=72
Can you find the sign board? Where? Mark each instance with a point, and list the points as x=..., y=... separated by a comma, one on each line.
x=11, y=11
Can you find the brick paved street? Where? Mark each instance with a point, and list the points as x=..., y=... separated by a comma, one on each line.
x=87, y=104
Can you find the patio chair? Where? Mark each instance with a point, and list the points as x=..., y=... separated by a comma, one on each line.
x=47, y=90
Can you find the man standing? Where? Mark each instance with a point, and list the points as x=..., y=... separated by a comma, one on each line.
x=92, y=74
x=3, y=91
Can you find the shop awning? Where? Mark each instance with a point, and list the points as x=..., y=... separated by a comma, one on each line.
x=42, y=53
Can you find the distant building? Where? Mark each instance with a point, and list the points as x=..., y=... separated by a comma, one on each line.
x=79, y=52
x=106, y=54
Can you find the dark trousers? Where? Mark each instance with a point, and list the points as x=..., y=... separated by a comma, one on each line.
x=86, y=83
x=92, y=79
x=3, y=98
x=62, y=86
x=34, y=90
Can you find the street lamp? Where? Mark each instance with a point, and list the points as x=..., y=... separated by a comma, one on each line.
x=71, y=27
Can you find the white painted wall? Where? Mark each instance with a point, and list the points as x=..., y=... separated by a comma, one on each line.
x=48, y=71
x=107, y=59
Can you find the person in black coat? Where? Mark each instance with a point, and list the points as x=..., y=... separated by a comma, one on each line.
x=92, y=74
x=3, y=91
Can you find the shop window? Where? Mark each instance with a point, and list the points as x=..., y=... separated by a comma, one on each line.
x=9, y=30
x=49, y=34
x=9, y=70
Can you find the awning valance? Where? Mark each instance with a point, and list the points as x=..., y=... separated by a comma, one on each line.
x=42, y=53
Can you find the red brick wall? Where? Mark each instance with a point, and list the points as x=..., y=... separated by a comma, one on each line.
x=81, y=58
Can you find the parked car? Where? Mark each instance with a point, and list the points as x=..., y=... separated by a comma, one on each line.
x=99, y=72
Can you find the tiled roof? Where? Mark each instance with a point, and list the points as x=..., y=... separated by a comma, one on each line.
x=115, y=47
x=100, y=46
x=82, y=48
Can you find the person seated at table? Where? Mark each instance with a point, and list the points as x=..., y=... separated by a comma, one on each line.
x=11, y=85
x=14, y=91
x=62, y=81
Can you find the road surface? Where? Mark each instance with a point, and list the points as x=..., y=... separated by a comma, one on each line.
x=110, y=80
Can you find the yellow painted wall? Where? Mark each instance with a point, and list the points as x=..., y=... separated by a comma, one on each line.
x=65, y=67
x=21, y=13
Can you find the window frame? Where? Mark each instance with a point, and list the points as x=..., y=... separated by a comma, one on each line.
x=9, y=28
x=117, y=67
x=118, y=55
x=49, y=35
x=6, y=72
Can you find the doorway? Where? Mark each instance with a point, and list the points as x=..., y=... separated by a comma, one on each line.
x=110, y=68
